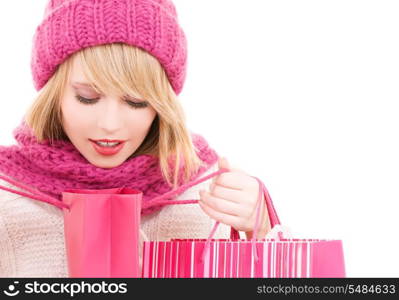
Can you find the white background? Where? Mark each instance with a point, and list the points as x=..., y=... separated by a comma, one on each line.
x=302, y=94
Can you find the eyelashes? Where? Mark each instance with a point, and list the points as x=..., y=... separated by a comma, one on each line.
x=93, y=101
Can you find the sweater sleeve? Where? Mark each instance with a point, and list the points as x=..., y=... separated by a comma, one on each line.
x=31, y=237
x=7, y=255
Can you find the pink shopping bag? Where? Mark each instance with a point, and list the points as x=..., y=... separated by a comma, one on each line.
x=102, y=232
x=101, y=228
x=237, y=258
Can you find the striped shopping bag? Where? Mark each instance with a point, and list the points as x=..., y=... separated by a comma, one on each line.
x=237, y=258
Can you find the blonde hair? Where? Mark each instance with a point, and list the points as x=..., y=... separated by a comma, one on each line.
x=123, y=70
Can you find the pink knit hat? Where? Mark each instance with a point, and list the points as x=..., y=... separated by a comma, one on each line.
x=71, y=25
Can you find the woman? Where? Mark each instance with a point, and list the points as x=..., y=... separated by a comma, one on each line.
x=107, y=114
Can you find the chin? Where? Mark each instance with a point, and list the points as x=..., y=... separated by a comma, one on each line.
x=105, y=165
x=109, y=166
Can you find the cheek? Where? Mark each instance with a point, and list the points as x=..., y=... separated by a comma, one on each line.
x=141, y=123
x=73, y=116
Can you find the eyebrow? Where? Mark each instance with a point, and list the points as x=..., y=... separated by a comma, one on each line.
x=82, y=83
x=77, y=85
x=89, y=85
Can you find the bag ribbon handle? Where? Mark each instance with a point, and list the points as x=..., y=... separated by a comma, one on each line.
x=160, y=200
x=273, y=217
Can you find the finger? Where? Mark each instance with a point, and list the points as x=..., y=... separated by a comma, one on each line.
x=230, y=180
x=220, y=205
x=229, y=194
x=246, y=204
x=230, y=220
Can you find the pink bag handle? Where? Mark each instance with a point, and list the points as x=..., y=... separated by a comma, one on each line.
x=158, y=200
x=36, y=194
x=234, y=235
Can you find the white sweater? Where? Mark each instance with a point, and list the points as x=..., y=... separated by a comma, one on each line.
x=32, y=232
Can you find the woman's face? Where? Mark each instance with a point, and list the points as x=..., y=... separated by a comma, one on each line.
x=104, y=117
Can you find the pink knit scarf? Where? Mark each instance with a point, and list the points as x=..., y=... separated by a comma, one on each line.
x=52, y=168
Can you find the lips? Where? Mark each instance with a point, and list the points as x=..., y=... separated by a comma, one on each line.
x=108, y=150
x=108, y=141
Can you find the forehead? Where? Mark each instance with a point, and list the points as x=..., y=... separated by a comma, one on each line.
x=78, y=79
x=77, y=76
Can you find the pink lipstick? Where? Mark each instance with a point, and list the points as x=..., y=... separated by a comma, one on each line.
x=108, y=147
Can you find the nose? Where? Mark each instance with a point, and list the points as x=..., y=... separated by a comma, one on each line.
x=110, y=116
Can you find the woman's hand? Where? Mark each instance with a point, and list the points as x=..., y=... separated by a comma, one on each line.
x=232, y=200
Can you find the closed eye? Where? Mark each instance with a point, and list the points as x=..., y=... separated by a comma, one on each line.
x=84, y=100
